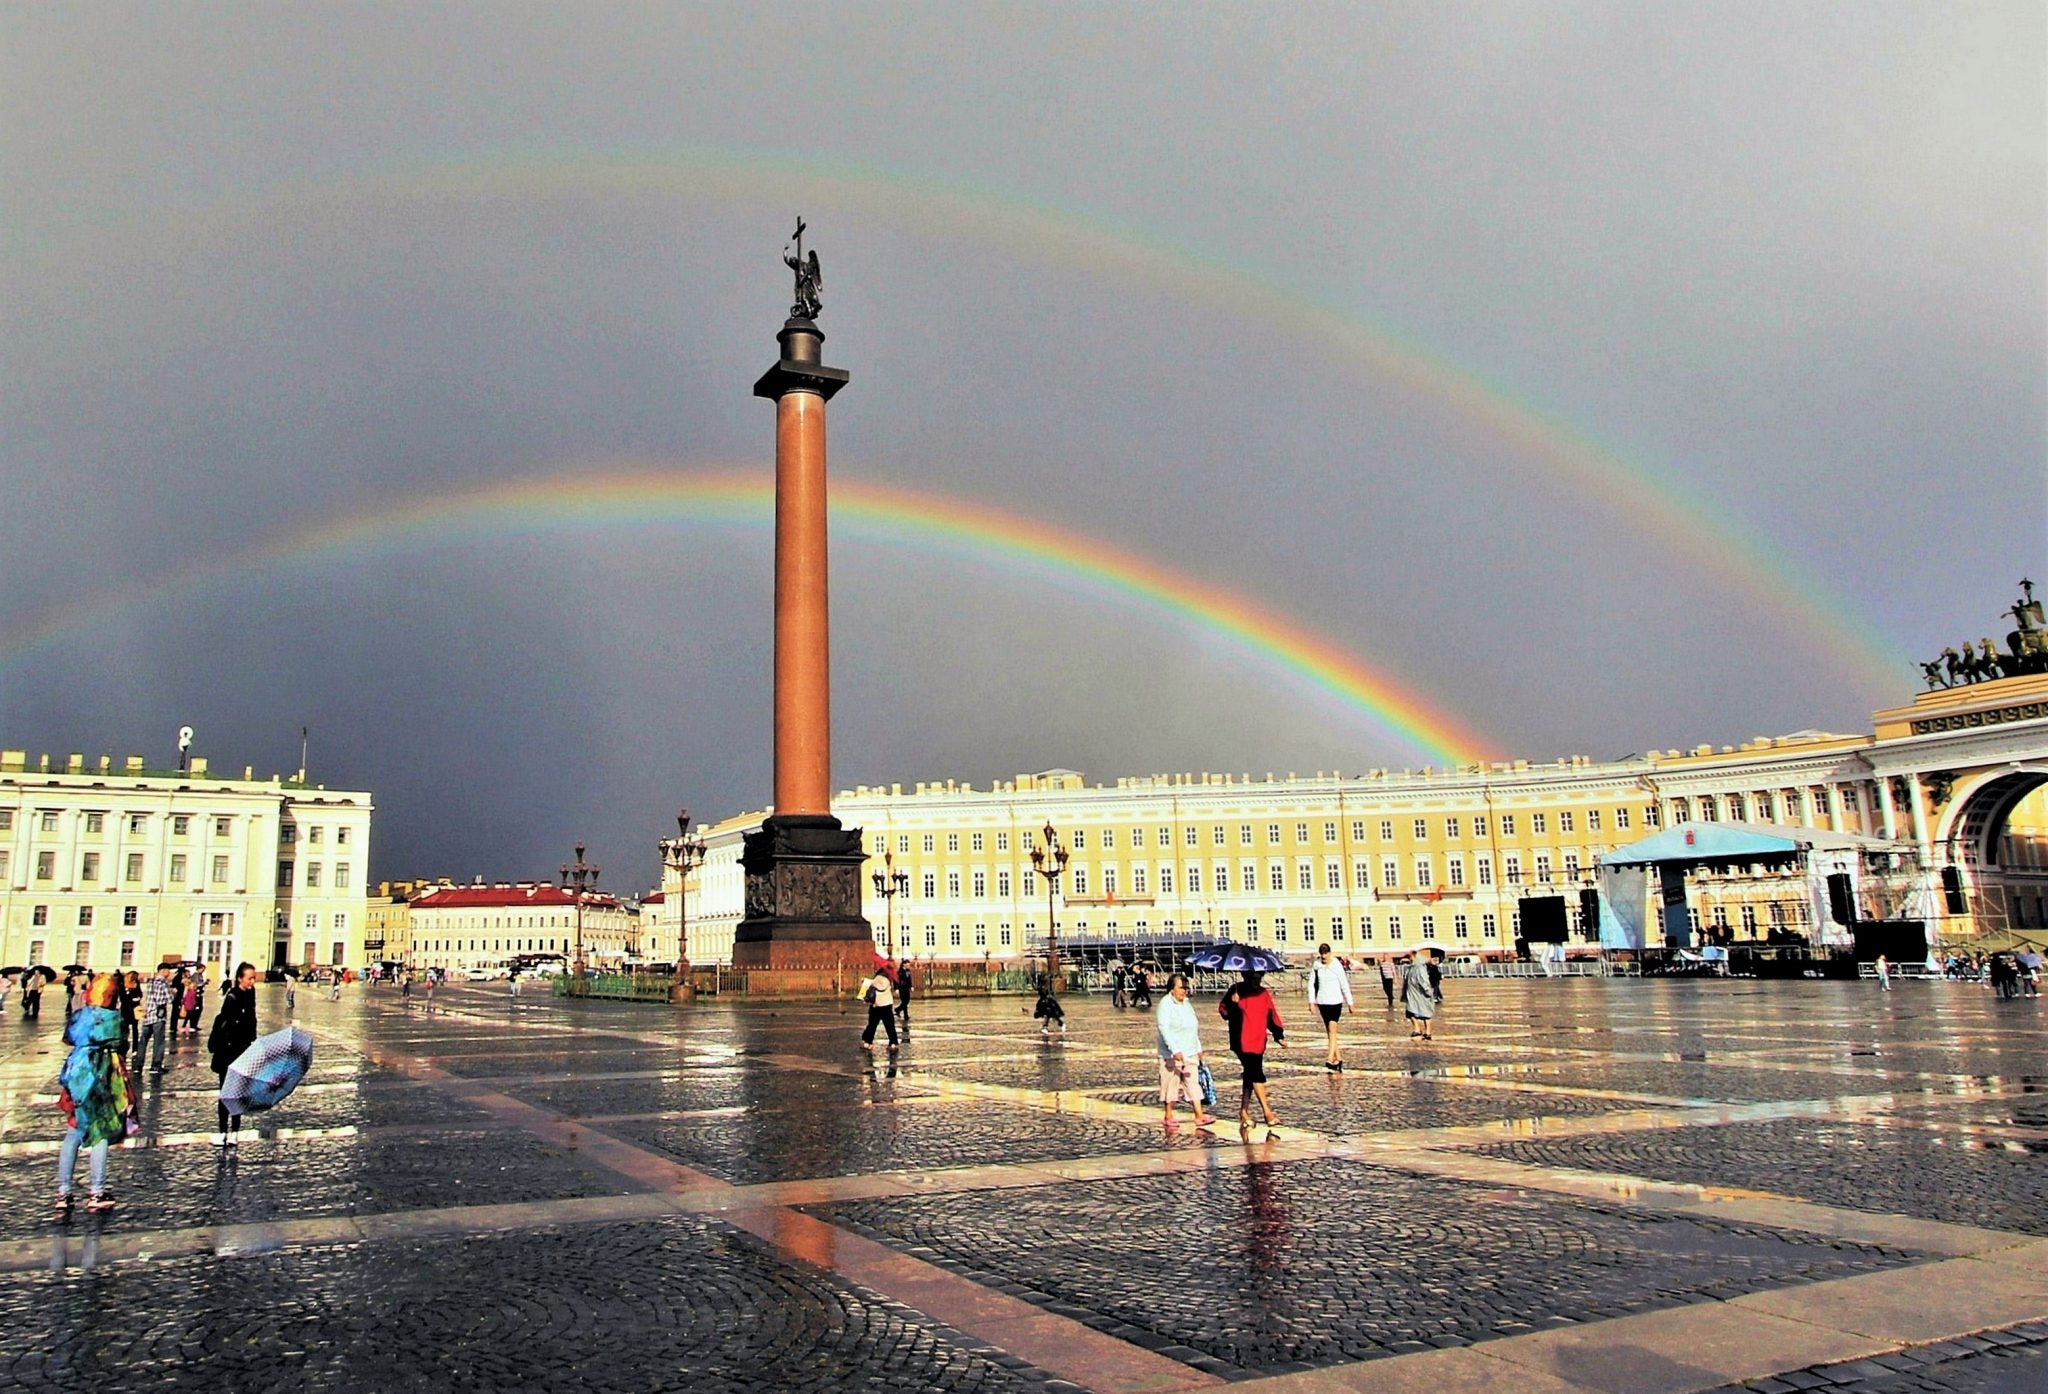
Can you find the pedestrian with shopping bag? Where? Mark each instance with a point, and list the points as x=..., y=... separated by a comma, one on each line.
x=1180, y=1054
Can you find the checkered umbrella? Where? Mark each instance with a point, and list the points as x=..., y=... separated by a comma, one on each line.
x=267, y=1071
x=1238, y=958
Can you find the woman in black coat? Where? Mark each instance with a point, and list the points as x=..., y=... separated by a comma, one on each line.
x=233, y=1031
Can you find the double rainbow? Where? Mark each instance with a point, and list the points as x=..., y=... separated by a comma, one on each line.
x=1643, y=496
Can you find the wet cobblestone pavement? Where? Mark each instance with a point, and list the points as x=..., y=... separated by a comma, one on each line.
x=1317, y=1262
x=1951, y=1176
x=2013, y=1361
x=1582, y=1186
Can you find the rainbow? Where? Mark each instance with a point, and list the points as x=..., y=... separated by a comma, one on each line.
x=1636, y=494
x=867, y=510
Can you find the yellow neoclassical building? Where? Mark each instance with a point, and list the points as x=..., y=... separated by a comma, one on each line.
x=1946, y=791
x=123, y=866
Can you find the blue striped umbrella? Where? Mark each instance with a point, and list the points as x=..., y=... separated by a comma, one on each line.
x=267, y=1071
x=1238, y=958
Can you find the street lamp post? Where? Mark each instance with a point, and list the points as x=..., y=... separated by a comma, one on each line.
x=682, y=854
x=577, y=878
x=890, y=883
x=1050, y=861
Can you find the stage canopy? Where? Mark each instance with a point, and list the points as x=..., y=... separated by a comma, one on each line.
x=1698, y=843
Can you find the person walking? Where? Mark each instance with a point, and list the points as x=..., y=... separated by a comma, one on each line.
x=1254, y=1020
x=291, y=995
x=233, y=1031
x=32, y=995
x=1884, y=973
x=903, y=995
x=131, y=1014
x=94, y=1091
x=156, y=1023
x=1329, y=991
x=1180, y=1053
x=1048, y=1012
x=879, y=992
x=1386, y=967
x=1418, y=998
x=195, y=1000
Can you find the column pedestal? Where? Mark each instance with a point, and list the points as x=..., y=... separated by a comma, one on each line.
x=803, y=934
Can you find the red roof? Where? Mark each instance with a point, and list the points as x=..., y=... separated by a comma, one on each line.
x=653, y=898
x=503, y=896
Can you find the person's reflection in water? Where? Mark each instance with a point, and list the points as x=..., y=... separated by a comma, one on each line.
x=1266, y=1227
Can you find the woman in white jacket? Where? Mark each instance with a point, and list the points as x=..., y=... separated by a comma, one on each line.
x=1180, y=1052
x=1329, y=989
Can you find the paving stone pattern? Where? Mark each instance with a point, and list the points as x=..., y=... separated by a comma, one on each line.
x=664, y=1305
x=1858, y=1165
x=1274, y=1266
x=749, y=1087
x=2012, y=1361
x=786, y=1145
x=1228, y=1263
x=292, y=1178
x=1361, y=1103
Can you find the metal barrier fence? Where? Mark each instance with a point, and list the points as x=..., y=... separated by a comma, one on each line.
x=618, y=987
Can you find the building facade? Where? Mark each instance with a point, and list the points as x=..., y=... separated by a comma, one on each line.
x=127, y=867
x=489, y=926
x=1377, y=862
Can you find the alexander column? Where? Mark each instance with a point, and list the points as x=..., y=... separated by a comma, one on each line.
x=803, y=920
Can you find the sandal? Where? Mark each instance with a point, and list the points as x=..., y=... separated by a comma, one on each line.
x=64, y=1205
x=101, y=1203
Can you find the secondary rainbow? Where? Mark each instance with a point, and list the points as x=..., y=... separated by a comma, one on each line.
x=1640, y=495
x=919, y=518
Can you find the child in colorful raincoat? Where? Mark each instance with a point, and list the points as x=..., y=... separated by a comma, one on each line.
x=95, y=1091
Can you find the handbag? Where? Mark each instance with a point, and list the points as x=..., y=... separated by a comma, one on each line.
x=1207, y=1082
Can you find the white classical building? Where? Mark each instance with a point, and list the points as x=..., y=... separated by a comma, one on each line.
x=124, y=867
x=1947, y=787
x=490, y=925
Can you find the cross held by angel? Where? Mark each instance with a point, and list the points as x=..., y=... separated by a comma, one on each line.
x=810, y=280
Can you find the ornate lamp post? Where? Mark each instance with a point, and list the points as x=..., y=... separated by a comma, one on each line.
x=578, y=877
x=682, y=854
x=1050, y=861
x=890, y=883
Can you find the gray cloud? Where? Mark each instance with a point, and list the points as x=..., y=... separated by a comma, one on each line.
x=265, y=268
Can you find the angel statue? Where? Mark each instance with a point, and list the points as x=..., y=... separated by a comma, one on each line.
x=810, y=281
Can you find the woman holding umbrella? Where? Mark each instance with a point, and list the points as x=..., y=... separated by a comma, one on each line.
x=233, y=1031
x=94, y=1092
x=1254, y=1017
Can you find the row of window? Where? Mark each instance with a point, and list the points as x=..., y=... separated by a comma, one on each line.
x=131, y=915
x=1757, y=808
x=1145, y=881
x=1483, y=927
x=91, y=864
x=47, y=821
x=1456, y=827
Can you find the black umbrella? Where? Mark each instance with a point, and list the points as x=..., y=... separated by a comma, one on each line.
x=13, y=972
x=76, y=968
x=290, y=970
x=49, y=973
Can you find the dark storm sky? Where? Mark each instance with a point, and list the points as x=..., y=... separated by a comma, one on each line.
x=1611, y=376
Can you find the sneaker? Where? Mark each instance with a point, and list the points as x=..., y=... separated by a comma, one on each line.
x=220, y=1139
x=101, y=1203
